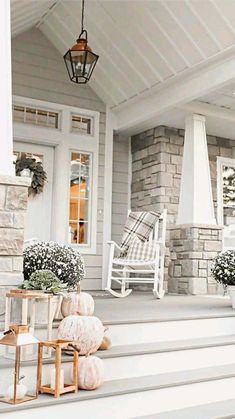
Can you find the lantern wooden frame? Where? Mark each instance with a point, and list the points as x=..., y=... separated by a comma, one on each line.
x=18, y=336
x=25, y=296
x=59, y=345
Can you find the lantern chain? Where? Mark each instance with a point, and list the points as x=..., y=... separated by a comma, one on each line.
x=83, y=6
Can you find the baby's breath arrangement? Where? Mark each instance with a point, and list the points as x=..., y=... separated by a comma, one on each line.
x=66, y=263
x=223, y=268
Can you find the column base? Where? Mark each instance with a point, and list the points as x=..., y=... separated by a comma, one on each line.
x=192, y=249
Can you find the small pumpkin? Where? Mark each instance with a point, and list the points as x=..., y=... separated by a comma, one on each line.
x=90, y=372
x=80, y=303
x=105, y=344
x=88, y=331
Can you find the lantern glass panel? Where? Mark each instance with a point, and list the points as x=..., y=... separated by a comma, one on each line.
x=80, y=65
x=25, y=387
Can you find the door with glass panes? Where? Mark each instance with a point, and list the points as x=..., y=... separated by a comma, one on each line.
x=38, y=217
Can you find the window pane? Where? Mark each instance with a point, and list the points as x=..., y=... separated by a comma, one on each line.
x=79, y=204
x=73, y=233
x=18, y=113
x=229, y=205
x=82, y=124
x=35, y=116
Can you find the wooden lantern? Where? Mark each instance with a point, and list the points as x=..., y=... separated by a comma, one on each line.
x=16, y=337
x=57, y=385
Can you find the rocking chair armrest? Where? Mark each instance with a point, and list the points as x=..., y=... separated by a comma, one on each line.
x=111, y=242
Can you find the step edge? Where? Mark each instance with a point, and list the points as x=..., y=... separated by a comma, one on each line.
x=194, y=408
x=85, y=397
x=134, y=352
x=152, y=320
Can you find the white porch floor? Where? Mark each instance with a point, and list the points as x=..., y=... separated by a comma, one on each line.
x=142, y=307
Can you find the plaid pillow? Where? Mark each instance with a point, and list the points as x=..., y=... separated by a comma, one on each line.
x=138, y=224
x=139, y=250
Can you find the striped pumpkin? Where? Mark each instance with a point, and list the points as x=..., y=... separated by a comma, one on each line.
x=88, y=331
x=80, y=303
x=90, y=373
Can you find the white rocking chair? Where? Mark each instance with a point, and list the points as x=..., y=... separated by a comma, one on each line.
x=151, y=271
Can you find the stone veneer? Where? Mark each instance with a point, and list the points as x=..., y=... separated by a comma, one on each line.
x=156, y=176
x=192, y=249
x=13, y=205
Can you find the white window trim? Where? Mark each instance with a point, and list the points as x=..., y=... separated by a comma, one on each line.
x=68, y=141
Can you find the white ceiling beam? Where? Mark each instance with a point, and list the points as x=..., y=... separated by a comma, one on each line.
x=208, y=109
x=179, y=91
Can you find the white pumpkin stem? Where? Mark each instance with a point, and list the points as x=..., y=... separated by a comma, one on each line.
x=79, y=288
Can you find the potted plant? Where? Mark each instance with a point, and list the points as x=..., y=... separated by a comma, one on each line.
x=61, y=260
x=46, y=281
x=223, y=271
x=66, y=263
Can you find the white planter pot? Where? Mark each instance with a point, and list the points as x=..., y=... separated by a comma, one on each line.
x=231, y=293
x=42, y=309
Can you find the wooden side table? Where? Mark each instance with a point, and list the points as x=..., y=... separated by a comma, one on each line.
x=58, y=387
x=29, y=316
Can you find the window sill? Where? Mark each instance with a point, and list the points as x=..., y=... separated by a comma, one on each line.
x=84, y=250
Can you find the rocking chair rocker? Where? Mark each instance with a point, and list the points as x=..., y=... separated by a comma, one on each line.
x=149, y=270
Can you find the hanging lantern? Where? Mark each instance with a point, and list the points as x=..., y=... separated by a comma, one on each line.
x=80, y=61
x=17, y=392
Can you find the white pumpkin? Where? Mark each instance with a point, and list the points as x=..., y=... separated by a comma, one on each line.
x=88, y=331
x=21, y=391
x=90, y=372
x=80, y=303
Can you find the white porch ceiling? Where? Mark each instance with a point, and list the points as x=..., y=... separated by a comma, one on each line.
x=143, y=44
x=25, y=14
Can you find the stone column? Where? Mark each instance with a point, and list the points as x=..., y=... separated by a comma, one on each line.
x=13, y=205
x=193, y=248
x=196, y=239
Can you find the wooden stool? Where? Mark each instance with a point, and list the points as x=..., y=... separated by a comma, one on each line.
x=25, y=296
x=57, y=389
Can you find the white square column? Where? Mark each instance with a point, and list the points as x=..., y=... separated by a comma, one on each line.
x=6, y=155
x=196, y=239
x=196, y=203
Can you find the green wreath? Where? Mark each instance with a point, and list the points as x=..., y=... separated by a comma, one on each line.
x=39, y=175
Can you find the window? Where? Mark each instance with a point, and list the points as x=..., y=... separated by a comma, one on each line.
x=226, y=199
x=35, y=116
x=80, y=198
x=82, y=124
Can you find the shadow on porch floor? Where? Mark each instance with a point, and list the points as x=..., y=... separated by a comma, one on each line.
x=142, y=306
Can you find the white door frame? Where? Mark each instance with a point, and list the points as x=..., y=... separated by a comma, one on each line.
x=64, y=141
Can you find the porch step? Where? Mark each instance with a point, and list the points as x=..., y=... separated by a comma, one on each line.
x=134, y=332
x=133, y=397
x=217, y=410
x=148, y=358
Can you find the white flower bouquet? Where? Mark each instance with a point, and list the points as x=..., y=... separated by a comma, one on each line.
x=223, y=268
x=66, y=263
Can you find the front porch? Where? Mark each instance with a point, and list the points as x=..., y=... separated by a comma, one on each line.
x=142, y=306
x=179, y=349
